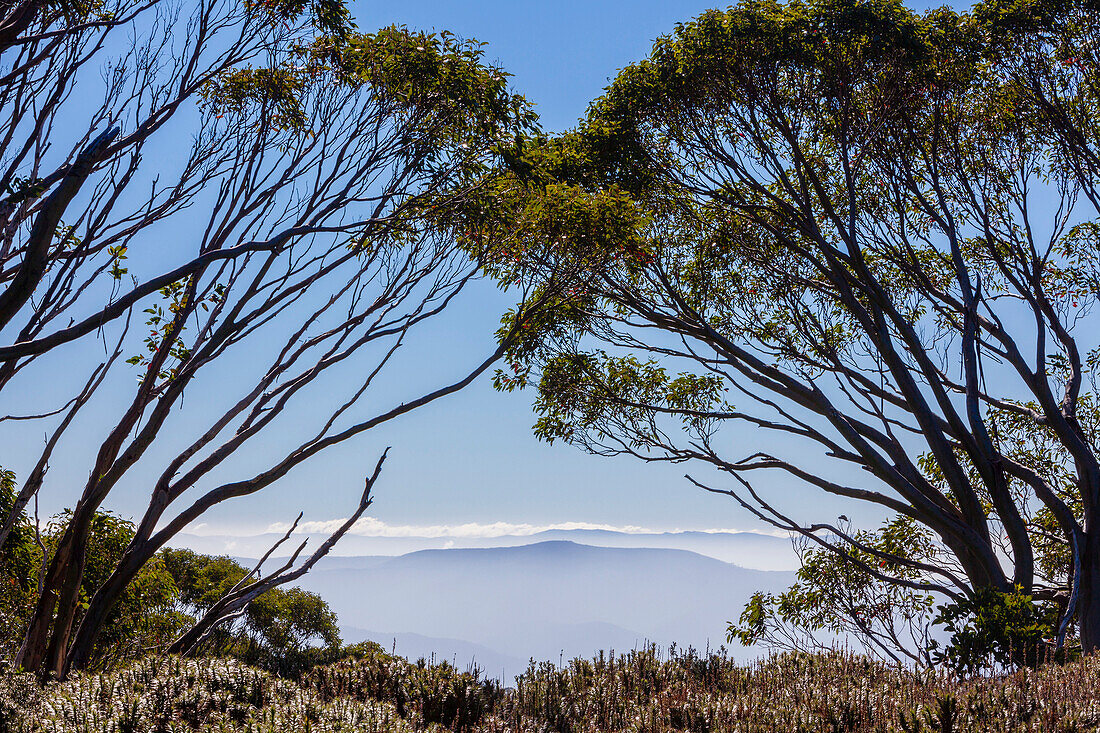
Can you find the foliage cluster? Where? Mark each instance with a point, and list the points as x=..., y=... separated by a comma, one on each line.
x=424, y=691
x=1008, y=629
x=847, y=596
x=853, y=593
x=284, y=631
x=17, y=563
x=837, y=596
x=145, y=616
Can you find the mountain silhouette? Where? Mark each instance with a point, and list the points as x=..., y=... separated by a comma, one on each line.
x=542, y=600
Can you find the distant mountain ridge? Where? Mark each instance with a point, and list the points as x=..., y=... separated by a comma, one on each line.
x=747, y=549
x=540, y=600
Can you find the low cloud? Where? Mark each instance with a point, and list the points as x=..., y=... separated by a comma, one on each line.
x=371, y=527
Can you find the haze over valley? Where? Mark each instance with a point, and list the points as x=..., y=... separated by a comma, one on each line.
x=548, y=598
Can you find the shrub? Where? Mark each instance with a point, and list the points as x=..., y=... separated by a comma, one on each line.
x=644, y=691
x=182, y=695
x=996, y=630
x=428, y=692
x=284, y=631
x=145, y=615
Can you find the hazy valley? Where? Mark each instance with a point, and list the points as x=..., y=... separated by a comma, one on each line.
x=501, y=606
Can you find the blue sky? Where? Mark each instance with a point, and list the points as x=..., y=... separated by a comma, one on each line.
x=472, y=458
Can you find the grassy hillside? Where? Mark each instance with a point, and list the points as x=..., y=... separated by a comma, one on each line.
x=641, y=691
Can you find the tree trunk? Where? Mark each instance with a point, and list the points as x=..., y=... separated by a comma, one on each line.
x=68, y=600
x=57, y=602
x=80, y=654
x=1088, y=601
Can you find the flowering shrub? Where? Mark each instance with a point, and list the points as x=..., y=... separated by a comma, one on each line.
x=647, y=691
x=432, y=693
x=186, y=695
x=643, y=691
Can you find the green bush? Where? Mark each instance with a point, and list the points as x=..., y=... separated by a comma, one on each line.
x=285, y=631
x=997, y=630
x=145, y=616
x=19, y=560
x=428, y=692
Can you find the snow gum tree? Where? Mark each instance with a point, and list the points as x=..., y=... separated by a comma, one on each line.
x=256, y=183
x=837, y=235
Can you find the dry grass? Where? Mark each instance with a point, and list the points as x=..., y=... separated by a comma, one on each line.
x=639, y=691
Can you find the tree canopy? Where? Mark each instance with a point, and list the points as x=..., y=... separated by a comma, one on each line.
x=845, y=225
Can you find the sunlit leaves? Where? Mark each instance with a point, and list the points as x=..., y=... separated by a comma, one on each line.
x=275, y=91
x=329, y=17
x=591, y=397
x=995, y=629
x=433, y=76
x=835, y=595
